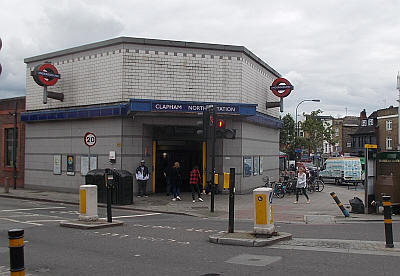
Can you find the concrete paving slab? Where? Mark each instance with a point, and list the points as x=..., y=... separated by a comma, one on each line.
x=319, y=219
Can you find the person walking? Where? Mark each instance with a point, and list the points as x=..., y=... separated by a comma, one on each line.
x=194, y=181
x=301, y=185
x=142, y=175
x=176, y=179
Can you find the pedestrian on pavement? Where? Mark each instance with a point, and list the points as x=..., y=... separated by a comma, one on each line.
x=142, y=175
x=301, y=185
x=176, y=180
x=194, y=181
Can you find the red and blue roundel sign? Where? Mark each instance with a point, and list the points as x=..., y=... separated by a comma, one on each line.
x=281, y=87
x=45, y=74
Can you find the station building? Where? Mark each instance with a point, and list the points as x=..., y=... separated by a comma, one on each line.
x=143, y=99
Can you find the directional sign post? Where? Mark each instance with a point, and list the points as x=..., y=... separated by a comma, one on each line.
x=90, y=141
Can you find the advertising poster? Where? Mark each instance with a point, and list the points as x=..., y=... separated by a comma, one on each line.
x=57, y=164
x=70, y=165
x=256, y=164
x=261, y=165
x=85, y=164
x=247, y=165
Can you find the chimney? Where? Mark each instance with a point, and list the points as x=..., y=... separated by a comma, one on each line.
x=363, y=114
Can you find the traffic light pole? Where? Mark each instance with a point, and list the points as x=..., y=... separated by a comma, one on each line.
x=213, y=112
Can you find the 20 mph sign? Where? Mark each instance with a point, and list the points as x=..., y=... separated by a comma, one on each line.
x=90, y=139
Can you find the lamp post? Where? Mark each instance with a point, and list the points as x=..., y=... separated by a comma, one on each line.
x=296, y=127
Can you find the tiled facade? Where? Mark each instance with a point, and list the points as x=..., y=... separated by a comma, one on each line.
x=121, y=71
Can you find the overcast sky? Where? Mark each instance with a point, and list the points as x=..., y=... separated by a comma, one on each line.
x=345, y=53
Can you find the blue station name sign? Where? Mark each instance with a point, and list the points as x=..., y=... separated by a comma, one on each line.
x=143, y=105
x=185, y=107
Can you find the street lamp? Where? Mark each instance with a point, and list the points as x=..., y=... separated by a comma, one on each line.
x=297, y=128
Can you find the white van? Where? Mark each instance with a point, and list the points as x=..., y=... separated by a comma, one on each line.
x=346, y=170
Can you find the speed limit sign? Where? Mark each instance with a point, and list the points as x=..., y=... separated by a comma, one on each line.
x=90, y=139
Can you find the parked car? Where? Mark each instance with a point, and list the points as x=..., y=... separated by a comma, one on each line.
x=342, y=170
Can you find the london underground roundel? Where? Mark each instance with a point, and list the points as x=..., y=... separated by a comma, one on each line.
x=45, y=74
x=281, y=87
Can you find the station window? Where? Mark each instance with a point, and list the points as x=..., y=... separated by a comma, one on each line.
x=9, y=146
x=389, y=125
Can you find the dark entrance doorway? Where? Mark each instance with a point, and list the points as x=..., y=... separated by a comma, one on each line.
x=184, y=147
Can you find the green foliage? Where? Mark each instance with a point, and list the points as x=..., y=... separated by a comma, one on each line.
x=315, y=132
x=287, y=136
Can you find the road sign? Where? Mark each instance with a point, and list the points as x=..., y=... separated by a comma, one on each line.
x=280, y=90
x=90, y=139
x=370, y=146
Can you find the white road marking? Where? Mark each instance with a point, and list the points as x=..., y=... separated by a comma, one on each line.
x=23, y=222
x=30, y=209
x=47, y=220
x=142, y=215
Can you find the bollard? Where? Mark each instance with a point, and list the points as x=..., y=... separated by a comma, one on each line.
x=231, y=200
x=344, y=211
x=387, y=215
x=16, y=244
x=6, y=187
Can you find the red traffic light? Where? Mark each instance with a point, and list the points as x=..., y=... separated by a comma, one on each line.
x=220, y=123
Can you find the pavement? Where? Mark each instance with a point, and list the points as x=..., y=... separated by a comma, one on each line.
x=321, y=210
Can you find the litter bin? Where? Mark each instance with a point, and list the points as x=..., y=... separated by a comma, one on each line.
x=357, y=206
x=122, y=191
x=123, y=187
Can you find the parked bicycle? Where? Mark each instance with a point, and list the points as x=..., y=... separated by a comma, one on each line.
x=278, y=188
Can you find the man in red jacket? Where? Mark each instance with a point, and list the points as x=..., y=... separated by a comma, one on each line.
x=194, y=181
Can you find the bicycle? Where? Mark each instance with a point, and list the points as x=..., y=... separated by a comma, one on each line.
x=278, y=188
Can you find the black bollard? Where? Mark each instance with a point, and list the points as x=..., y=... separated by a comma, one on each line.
x=387, y=215
x=16, y=244
x=231, y=200
x=336, y=199
x=109, y=182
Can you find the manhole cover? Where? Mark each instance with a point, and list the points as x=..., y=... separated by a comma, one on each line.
x=254, y=260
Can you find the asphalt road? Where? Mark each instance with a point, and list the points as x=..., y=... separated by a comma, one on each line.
x=162, y=244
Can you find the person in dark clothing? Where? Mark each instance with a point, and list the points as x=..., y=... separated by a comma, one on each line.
x=166, y=174
x=142, y=175
x=194, y=181
x=176, y=180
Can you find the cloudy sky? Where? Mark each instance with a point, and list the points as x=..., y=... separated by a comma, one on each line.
x=345, y=53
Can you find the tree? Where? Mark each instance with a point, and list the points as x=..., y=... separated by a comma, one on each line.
x=315, y=132
x=287, y=136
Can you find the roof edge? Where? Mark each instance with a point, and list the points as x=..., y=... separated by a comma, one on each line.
x=153, y=42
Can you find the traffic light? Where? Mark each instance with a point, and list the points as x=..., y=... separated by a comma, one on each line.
x=204, y=125
x=222, y=132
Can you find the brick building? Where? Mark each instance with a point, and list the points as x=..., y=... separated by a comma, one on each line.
x=387, y=128
x=7, y=111
x=142, y=98
x=343, y=128
x=366, y=133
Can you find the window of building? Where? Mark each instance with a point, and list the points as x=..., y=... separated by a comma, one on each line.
x=336, y=132
x=9, y=146
x=370, y=122
x=389, y=125
x=349, y=144
x=364, y=123
x=389, y=143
